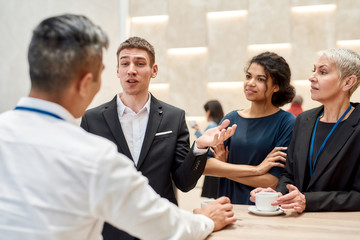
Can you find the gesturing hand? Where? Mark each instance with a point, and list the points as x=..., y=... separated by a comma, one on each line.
x=216, y=135
x=294, y=199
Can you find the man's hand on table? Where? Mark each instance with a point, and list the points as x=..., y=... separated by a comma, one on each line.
x=220, y=211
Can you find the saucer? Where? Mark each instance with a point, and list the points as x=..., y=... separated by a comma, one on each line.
x=254, y=210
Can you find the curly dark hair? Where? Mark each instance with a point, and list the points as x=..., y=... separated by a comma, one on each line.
x=278, y=69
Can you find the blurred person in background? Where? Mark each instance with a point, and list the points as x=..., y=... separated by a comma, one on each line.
x=255, y=155
x=214, y=114
x=323, y=162
x=296, y=105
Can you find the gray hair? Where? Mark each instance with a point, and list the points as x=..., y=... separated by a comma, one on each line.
x=62, y=48
x=347, y=63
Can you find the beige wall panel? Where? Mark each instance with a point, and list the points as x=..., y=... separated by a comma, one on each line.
x=311, y=2
x=311, y=32
x=155, y=34
x=269, y=21
x=348, y=20
x=356, y=96
x=227, y=48
x=188, y=78
x=226, y=5
x=230, y=98
x=147, y=7
x=161, y=94
x=18, y=18
x=187, y=23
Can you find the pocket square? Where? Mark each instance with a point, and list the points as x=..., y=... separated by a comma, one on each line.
x=163, y=133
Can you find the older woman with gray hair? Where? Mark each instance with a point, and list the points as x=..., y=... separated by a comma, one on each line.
x=323, y=160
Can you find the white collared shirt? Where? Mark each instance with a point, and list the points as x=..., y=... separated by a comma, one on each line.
x=59, y=182
x=133, y=126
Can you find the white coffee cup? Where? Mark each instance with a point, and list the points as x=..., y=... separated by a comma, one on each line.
x=206, y=202
x=263, y=201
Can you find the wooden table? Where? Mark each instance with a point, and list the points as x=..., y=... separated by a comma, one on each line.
x=291, y=225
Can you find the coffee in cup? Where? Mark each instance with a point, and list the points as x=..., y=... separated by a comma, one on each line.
x=263, y=201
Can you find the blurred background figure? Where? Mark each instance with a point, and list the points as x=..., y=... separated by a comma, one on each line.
x=296, y=106
x=214, y=114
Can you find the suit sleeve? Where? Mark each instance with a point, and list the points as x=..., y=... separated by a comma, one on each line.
x=187, y=168
x=84, y=123
x=122, y=196
x=347, y=195
x=333, y=200
x=287, y=177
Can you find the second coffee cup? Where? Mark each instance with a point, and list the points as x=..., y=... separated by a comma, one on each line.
x=263, y=201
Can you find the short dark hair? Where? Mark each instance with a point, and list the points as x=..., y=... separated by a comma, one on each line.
x=279, y=70
x=140, y=43
x=62, y=48
x=216, y=111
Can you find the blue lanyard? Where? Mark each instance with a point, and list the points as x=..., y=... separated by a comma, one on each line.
x=38, y=111
x=312, y=166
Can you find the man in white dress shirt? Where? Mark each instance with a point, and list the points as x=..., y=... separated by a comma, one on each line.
x=59, y=182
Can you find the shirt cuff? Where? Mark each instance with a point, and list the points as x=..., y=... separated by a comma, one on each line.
x=198, y=151
x=208, y=226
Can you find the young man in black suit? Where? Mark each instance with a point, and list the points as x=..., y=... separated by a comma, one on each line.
x=150, y=132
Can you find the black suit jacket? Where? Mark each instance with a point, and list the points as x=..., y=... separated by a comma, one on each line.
x=335, y=184
x=164, y=159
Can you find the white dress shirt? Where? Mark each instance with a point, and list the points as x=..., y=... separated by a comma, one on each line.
x=134, y=126
x=59, y=182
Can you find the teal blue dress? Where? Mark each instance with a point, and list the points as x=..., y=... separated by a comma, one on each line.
x=253, y=140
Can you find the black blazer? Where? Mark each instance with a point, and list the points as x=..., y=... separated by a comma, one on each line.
x=164, y=159
x=335, y=185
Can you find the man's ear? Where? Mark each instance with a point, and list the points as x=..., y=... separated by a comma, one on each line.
x=84, y=83
x=349, y=82
x=154, y=71
x=117, y=71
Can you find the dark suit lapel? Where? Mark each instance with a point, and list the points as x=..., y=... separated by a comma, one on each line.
x=112, y=119
x=337, y=140
x=155, y=117
x=305, y=139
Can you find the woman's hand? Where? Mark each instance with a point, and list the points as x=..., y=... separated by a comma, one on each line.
x=293, y=200
x=272, y=159
x=259, y=189
x=220, y=152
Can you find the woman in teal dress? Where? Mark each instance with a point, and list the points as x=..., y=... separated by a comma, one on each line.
x=255, y=154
